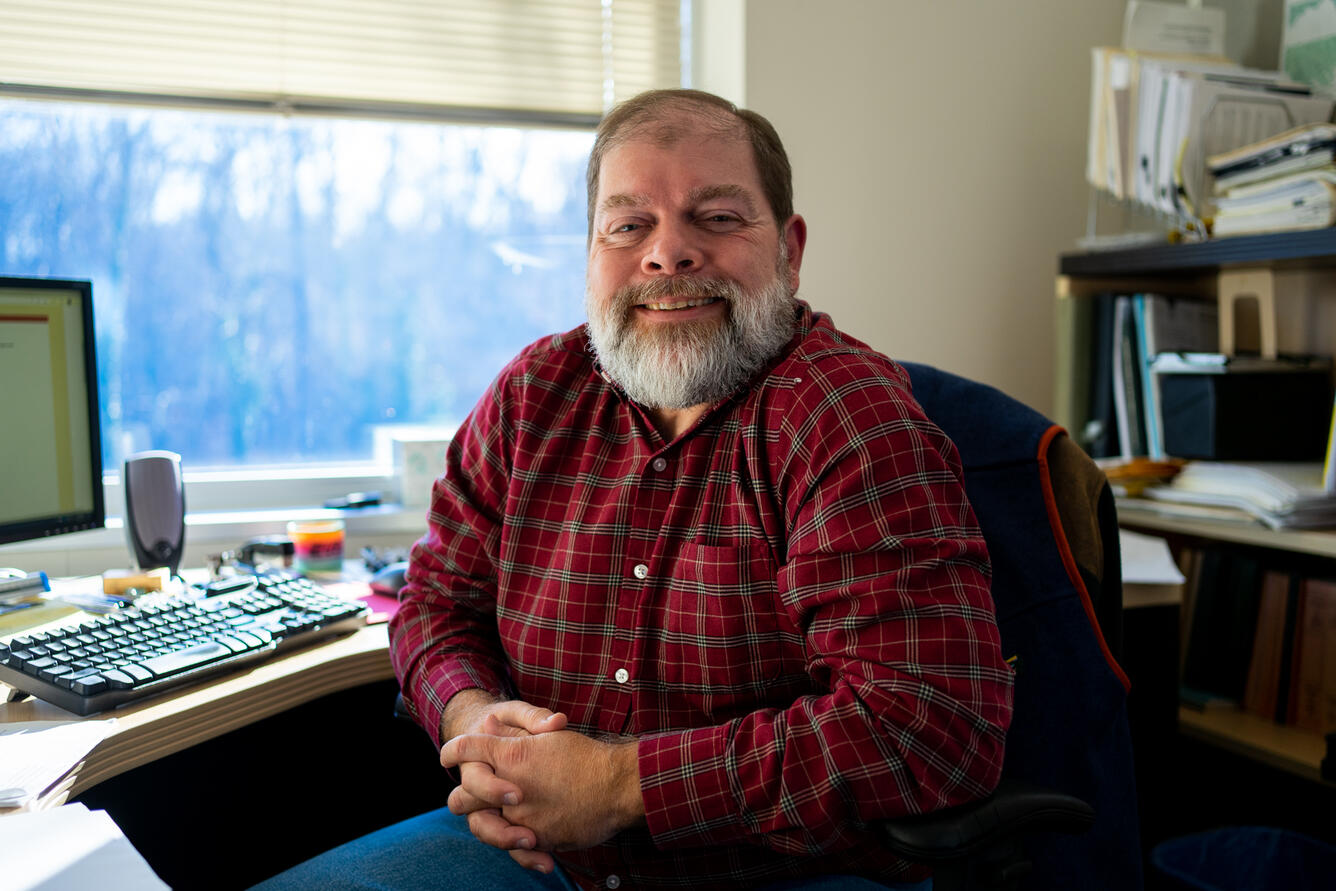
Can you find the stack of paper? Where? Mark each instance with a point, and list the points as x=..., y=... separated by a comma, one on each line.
x=1283, y=495
x=1155, y=118
x=1284, y=183
x=71, y=848
x=35, y=754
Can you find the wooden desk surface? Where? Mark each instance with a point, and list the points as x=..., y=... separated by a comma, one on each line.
x=159, y=726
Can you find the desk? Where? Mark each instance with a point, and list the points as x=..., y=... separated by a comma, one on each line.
x=293, y=755
x=152, y=729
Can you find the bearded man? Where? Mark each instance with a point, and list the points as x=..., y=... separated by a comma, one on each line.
x=701, y=596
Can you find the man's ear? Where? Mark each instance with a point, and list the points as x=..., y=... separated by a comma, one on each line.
x=795, y=239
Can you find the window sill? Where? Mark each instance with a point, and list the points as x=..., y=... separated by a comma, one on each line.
x=212, y=532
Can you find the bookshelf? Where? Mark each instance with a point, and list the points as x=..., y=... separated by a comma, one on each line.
x=1297, y=276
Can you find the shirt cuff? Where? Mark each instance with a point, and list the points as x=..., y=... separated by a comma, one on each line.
x=687, y=788
x=435, y=688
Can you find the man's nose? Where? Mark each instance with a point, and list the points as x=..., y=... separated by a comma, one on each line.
x=672, y=248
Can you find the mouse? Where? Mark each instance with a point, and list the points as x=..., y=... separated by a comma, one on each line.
x=388, y=580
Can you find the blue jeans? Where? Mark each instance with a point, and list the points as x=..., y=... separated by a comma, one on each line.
x=436, y=852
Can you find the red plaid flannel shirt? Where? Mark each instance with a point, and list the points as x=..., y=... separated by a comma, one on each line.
x=788, y=605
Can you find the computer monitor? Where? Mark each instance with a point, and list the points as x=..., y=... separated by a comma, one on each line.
x=50, y=447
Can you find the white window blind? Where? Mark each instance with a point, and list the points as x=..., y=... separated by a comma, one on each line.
x=557, y=59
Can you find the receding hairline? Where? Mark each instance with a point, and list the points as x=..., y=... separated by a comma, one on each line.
x=676, y=118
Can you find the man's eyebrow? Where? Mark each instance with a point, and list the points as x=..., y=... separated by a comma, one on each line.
x=624, y=199
x=727, y=190
x=698, y=195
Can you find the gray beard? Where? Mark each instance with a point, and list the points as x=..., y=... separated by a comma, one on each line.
x=678, y=365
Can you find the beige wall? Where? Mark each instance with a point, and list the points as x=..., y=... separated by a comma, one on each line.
x=939, y=152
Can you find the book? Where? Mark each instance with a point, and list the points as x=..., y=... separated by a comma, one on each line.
x=1288, y=640
x=1268, y=194
x=1316, y=210
x=1074, y=327
x=1261, y=691
x=1314, y=681
x=1127, y=387
x=1329, y=462
x=1225, y=609
x=1306, y=147
x=1100, y=435
x=1169, y=324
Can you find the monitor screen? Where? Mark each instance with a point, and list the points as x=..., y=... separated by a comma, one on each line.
x=50, y=450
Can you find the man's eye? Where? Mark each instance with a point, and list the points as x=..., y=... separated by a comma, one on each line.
x=627, y=227
x=718, y=220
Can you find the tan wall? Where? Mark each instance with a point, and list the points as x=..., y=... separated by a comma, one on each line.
x=939, y=152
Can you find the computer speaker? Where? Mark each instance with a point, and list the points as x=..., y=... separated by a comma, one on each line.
x=155, y=509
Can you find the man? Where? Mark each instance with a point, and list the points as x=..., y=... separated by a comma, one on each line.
x=701, y=595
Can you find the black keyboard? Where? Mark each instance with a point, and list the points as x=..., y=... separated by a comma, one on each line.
x=168, y=641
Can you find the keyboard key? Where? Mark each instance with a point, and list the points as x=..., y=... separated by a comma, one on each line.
x=184, y=660
x=118, y=679
x=139, y=672
x=89, y=684
x=55, y=672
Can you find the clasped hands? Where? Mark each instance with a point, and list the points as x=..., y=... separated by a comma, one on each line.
x=530, y=786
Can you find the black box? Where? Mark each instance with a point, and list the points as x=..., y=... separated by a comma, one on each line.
x=1247, y=415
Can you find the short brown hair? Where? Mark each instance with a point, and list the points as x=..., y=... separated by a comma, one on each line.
x=652, y=113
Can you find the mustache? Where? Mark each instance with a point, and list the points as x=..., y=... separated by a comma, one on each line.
x=679, y=286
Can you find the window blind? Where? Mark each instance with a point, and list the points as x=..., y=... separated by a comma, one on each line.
x=561, y=60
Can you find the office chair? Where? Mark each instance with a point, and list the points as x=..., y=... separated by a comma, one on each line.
x=1048, y=517
x=1064, y=815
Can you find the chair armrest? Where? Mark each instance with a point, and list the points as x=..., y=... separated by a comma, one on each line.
x=1015, y=807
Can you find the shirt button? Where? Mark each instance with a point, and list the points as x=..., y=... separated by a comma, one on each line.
x=613, y=881
x=622, y=675
x=640, y=571
x=659, y=464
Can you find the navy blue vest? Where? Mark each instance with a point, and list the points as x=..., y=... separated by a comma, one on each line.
x=1069, y=726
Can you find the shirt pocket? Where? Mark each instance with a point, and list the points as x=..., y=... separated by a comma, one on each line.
x=727, y=648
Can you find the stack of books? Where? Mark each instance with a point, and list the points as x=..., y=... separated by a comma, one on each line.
x=1282, y=184
x=1260, y=637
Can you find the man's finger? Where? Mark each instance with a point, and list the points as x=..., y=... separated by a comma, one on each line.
x=525, y=716
x=489, y=827
x=480, y=787
x=539, y=861
x=468, y=747
x=494, y=726
x=462, y=802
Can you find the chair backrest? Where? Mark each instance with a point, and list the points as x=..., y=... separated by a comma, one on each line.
x=1069, y=726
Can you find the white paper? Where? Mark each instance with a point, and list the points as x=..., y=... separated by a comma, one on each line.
x=1147, y=561
x=35, y=754
x=1173, y=28
x=70, y=848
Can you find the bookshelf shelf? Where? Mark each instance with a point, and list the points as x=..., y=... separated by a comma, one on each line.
x=1322, y=544
x=1307, y=249
x=1287, y=748
x=1305, y=264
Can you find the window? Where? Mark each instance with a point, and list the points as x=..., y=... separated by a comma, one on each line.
x=290, y=242
x=267, y=290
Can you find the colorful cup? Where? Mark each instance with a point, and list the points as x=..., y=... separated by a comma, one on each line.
x=317, y=546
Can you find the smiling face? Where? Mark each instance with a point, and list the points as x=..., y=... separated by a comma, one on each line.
x=690, y=280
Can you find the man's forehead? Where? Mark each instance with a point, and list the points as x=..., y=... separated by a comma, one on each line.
x=725, y=164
